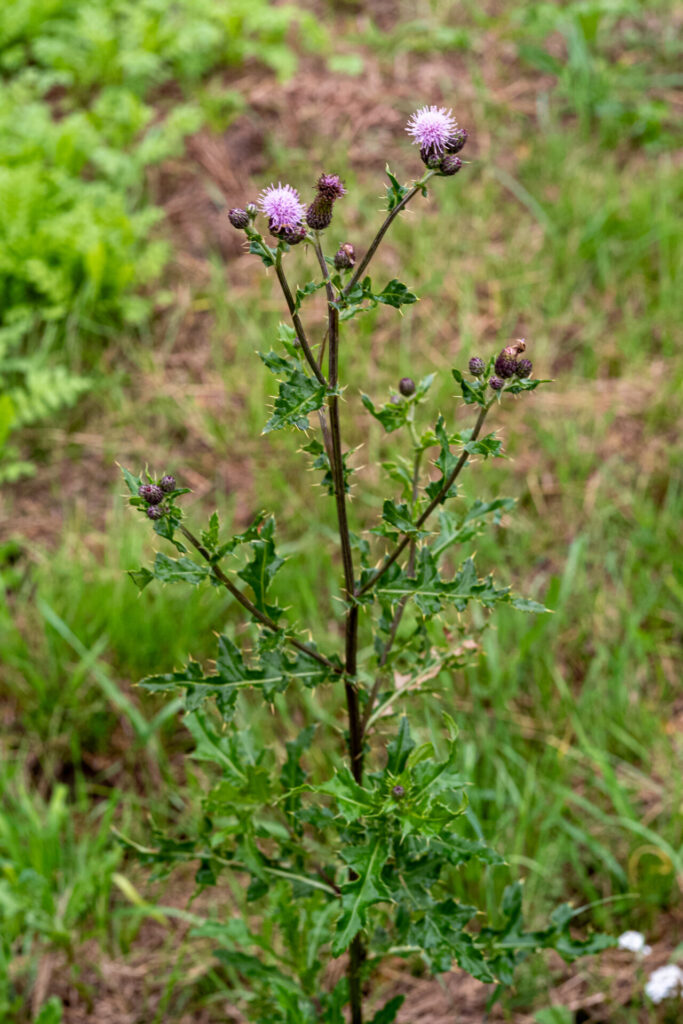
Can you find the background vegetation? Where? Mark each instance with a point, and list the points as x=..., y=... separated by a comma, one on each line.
x=128, y=323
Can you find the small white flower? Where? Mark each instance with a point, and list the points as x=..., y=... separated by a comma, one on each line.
x=634, y=942
x=664, y=983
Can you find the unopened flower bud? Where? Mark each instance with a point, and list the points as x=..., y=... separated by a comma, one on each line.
x=319, y=213
x=154, y=512
x=398, y=792
x=477, y=366
x=524, y=368
x=252, y=210
x=238, y=218
x=450, y=165
x=431, y=157
x=151, y=493
x=167, y=483
x=291, y=235
x=506, y=365
x=496, y=383
x=345, y=257
x=406, y=386
x=457, y=140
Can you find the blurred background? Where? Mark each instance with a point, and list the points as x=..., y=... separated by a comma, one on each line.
x=129, y=321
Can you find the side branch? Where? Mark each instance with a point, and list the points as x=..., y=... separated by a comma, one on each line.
x=255, y=612
x=363, y=265
x=402, y=545
x=296, y=320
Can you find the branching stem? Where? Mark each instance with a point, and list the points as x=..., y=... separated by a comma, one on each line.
x=402, y=545
x=296, y=320
x=255, y=612
x=391, y=216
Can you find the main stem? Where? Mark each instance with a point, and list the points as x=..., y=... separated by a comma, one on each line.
x=357, y=950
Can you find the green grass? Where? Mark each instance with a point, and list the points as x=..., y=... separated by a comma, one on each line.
x=562, y=229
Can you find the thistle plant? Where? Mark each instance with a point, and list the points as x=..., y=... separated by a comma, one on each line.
x=353, y=855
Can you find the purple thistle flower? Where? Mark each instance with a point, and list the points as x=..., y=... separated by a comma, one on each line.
x=330, y=186
x=282, y=206
x=432, y=129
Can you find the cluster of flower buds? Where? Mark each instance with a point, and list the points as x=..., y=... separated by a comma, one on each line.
x=154, y=494
x=507, y=365
x=436, y=132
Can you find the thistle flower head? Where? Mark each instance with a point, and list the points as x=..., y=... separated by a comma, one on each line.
x=330, y=186
x=167, y=483
x=524, y=368
x=282, y=206
x=432, y=128
x=477, y=366
x=506, y=365
x=496, y=383
x=450, y=165
x=406, y=386
x=151, y=493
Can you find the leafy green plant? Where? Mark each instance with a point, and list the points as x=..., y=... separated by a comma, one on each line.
x=349, y=852
x=78, y=264
x=54, y=884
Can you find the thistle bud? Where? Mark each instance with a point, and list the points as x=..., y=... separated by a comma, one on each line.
x=154, y=512
x=496, y=383
x=238, y=218
x=252, y=210
x=345, y=257
x=406, y=386
x=167, y=483
x=431, y=157
x=524, y=368
x=398, y=792
x=477, y=366
x=457, y=140
x=506, y=364
x=292, y=235
x=319, y=213
x=151, y=493
x=450, y=165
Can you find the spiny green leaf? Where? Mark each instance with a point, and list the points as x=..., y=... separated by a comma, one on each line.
x=399, y=748
x=367, y=888
x=298, y=396
x=395, y=191
x=473, y=391
x=398, y=517
x=396, y=294
x=353, y=801
x=260, y=571
x=392, y=415
x=446, y=462
x=179, y=570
